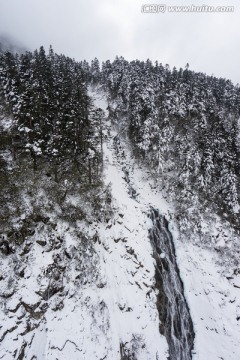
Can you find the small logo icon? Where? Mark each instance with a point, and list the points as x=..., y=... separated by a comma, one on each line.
x=153, y=8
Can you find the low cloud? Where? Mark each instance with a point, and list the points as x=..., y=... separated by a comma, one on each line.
x=209, y=42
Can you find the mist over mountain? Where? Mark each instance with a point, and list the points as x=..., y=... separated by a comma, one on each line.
x=7, y=43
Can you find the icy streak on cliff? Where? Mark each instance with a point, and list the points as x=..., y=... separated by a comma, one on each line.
x=175, y=320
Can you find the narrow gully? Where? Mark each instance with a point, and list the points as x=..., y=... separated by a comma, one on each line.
x=175, y=320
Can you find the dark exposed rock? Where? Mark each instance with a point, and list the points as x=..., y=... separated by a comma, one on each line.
x=101, y=285
x=16, y=308
x=67, y=255
x=41, y=242
x=21, y=272
x=31, y=310
x=26, y=249
x=58, y=306
x=22, y=351
x=125, y=353
x=8, y=331
x=7, y=293
x=6, y=248
x=53, y=288
x=175, y=320
x=30, y=326
x=40, y=218
x=130, y=251
x=18, y=237
x=43, y=307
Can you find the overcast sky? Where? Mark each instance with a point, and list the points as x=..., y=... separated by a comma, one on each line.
x=209, y=42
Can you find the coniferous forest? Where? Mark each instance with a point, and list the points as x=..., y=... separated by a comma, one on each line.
x=55, y=130
x=184, y=125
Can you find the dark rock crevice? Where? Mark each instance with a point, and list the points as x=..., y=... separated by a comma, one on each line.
x=175, y=320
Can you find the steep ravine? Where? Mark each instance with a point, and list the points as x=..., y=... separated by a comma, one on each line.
x=174, y=316
x=175, y=320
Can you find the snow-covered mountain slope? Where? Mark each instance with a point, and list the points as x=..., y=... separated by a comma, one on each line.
x=86, y=290
x=213, y=297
